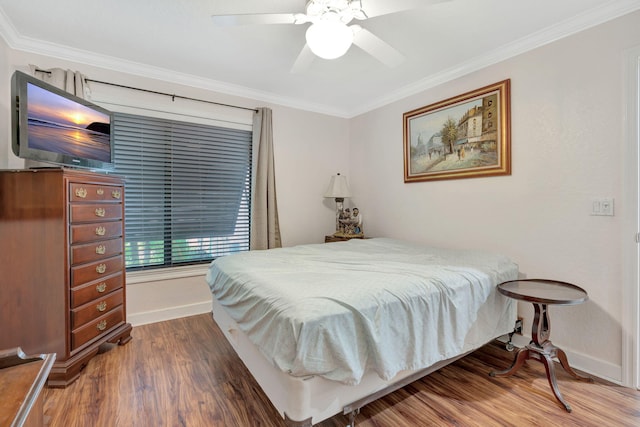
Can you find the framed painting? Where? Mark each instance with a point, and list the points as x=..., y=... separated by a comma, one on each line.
x=466, y=136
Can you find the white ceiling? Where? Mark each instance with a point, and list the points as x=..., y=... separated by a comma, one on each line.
x=175, y=40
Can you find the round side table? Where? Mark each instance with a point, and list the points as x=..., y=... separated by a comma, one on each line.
x=542, y=292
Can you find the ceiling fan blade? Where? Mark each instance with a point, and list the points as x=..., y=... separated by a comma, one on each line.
x=303, y=61
x=375, y=8
x=256, y=18
x=376, y=47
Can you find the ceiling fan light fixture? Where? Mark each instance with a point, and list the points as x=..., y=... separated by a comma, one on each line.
x=329, y=39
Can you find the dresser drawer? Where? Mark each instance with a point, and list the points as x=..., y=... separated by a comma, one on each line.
x=88, y=292
x=97, y=327
x=95, y=212
x=95, y=251
x=89, y=192
x=95, y=270
x=95, y=308
x=98, y=231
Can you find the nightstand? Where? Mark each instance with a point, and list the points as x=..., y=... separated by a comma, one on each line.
x=542, y=292
x=334, y=238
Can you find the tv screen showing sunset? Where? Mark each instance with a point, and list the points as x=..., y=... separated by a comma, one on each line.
x=64, y=126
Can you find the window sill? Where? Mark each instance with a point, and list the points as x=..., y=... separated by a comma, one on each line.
x=166, y=274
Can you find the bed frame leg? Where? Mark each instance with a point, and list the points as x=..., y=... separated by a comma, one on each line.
x=518, y=327
x=352, y=417
x=291, y=423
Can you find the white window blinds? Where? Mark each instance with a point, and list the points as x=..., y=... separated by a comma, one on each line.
x=187, y=190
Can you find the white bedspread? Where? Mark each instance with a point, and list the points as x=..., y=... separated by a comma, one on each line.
x=339, y=309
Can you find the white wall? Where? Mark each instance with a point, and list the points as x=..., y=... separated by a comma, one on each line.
x=567, y=147
x=305, y=144
x=567, y=101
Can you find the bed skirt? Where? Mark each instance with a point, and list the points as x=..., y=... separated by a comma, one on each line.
x=304, y=401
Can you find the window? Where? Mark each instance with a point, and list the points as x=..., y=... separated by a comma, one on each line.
x=187, y=190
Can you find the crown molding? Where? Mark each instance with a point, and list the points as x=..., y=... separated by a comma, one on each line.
x=7, y=31
x=40, y=47
x=576, y=24
x=591, y=18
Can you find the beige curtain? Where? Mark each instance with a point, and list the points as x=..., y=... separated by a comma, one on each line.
x=265, y=230
x=67, y=80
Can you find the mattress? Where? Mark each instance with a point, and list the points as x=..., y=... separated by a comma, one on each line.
x=339, y=311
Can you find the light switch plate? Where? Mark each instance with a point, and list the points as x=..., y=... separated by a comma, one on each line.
x=602, y=206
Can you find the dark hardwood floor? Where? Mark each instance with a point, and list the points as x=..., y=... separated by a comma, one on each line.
x=183, y=373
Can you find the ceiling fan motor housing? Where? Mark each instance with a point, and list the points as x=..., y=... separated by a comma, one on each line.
x=344, y=10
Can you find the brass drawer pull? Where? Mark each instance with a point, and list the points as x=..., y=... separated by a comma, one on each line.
x=100, y=212
x=102, y=325
x=102, y=306
x=100, y=231
x=99, y=191
x=101, y=249
x=81, y=192
x=101, y=268
x=101, y=287
x=116, y=194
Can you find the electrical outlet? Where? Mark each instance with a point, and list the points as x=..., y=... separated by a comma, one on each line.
x=519, y=325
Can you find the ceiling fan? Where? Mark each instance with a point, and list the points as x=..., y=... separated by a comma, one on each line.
x=329, y=36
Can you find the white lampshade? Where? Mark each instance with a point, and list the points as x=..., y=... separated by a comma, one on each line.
x=338, y=187
x=329, y=39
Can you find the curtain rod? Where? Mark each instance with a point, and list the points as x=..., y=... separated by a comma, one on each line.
x=173, y=96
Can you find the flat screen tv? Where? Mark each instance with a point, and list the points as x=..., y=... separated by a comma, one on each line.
x=52, y=126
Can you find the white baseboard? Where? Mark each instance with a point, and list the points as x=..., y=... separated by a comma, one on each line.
x=583, y=362
x=143, y=318
x=596, y=367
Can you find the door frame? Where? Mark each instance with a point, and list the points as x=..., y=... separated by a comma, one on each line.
x=631, y=222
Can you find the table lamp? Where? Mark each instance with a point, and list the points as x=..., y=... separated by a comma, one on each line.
x=338, y=189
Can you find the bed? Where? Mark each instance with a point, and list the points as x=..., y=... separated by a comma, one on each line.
x=327, y=328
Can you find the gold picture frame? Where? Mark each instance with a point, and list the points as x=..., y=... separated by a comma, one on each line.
x=466, y=136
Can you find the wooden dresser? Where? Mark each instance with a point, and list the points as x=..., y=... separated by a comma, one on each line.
x=62, y=281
